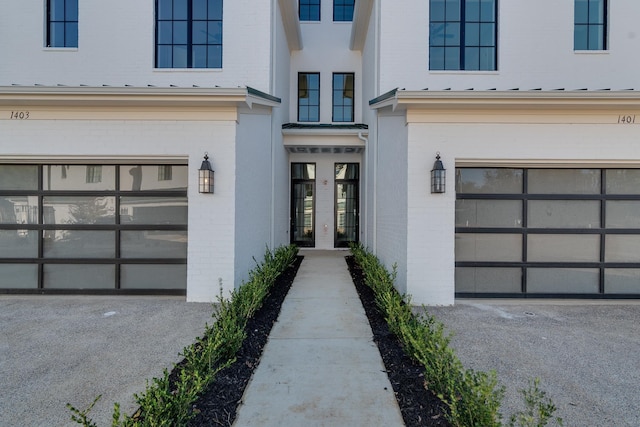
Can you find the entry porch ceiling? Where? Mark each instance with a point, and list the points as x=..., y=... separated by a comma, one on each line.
x=324, y=139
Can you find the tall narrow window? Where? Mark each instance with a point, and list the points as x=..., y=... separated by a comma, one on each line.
x=188, y=33
x=463, y=34
x=343, y=10
x=308, y=97
x=309, y=10
x=342, y=97
x=62, y=23
x=590, y=25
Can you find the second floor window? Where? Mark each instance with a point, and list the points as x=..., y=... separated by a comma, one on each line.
x=590, y=25
x=343, y=10
x=309, y=10
x=463, y=34
x=308, y=97
x=188, y=33
x=342, y=97
x=62, y=23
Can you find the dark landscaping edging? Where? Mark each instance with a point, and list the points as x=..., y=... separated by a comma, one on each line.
x=418, y=406
x=218, y=404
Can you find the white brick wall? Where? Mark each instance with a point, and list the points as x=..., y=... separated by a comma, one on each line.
x=117, y=43
x=535, y=49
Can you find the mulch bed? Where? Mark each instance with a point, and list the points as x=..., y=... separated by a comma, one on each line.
x=218, y=405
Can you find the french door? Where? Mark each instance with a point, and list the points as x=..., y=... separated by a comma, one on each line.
x=303, y=184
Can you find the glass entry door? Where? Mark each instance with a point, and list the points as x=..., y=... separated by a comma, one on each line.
x=346, y=204
x=303, y=182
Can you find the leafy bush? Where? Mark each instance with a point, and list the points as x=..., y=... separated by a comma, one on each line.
x=473, y=397
x=169, y=403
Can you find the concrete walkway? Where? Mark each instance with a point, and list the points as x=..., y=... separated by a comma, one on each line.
x=320, y=366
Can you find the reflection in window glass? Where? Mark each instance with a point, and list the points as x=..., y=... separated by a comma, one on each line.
x=303, y=171
x=590, y=25
x=158, y=177
x=18, y=177
x=308, y=97
x=79, y=276
x=18, y=243
x=623, y=181
x=79, y=210
x=489, y=180
x=79, y=177
x=153, y=244
x=564, y=181
x=18, y=209
x=343, y=97
x=153, y=210
x=309, y=10
x=154, y=276
x=79, y=244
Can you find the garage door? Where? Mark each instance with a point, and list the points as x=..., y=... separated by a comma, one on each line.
x=547, y=232
x=94, y=228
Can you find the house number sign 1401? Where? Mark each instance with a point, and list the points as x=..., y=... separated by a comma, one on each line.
x=627, y=120
x=20, y=115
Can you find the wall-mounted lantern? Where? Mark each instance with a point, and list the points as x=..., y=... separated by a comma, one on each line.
x=438, y=176
x=205, y=176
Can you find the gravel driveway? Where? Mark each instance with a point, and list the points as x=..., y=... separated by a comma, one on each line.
x=586, y=353
x=55, y=350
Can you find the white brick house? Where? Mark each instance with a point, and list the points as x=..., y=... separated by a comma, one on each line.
x=322, y=120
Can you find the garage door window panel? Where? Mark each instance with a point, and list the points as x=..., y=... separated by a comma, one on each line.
x=488, y=279
x=18, y=177
x=79, y=244
x=623, y=214
x=18, y=243
x=623, y=181
x=622, y=248
x=79, y=276
x=622, y=280
x=79, y=210
x=18, y=209
x=564, y=214
x=153, y=244
x=488, y=247
x=153, y=178
x=79, y=177
x=488, y=213
x=135, y=276
x=567, y=248
x=18, y=276
x=489, y=181
x=564, y=181
x=563, y=280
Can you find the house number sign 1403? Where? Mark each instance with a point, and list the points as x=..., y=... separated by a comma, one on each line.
x=20, y=115
x=627, y=120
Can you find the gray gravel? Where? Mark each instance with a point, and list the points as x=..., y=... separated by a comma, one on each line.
x=55, y=350
x=586, y=353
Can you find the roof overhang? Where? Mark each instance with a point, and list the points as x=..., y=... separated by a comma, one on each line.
x=508, y=99
x=291, y=22
x=151, y=96
x=323, y=139
x=360, y=26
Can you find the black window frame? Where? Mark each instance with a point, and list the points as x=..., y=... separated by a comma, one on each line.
x=68, y=22
x=466, y=25
x=309, y=10
x=308, y=89
x=591, y=26
x=213, y=59
x=338, y=101
x=344, y=9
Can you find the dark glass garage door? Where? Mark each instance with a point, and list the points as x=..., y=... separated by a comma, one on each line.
x=547, y=232
x=94, y=228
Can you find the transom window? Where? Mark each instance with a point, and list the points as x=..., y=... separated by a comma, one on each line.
x=462, y=34
x=308, y=97
x=62, y=23
x=342, y=97
x=309, y=10
x=590, y=25
x=188, y=33
x=343, y=10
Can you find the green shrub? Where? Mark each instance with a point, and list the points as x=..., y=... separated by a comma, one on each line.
x=473, y=397
x=167, y=403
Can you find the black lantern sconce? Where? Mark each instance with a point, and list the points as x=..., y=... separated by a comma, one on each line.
x=205, y=176
x=438, y=176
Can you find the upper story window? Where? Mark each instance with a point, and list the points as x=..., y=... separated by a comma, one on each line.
x=463, y=34
x=188, y=33
x=342, y=97
x=62, y=23
x=308, y=97
x=309, y=10
x=590, y=25
x=343, y=10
